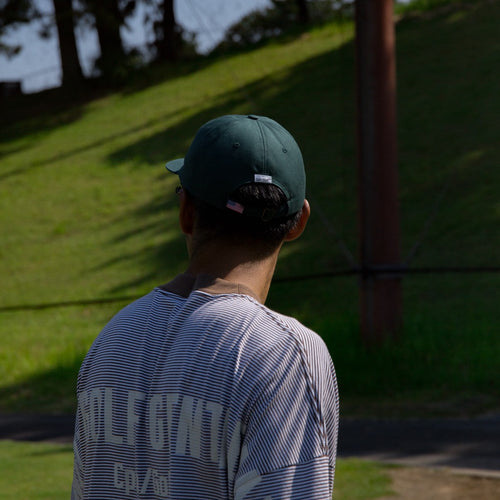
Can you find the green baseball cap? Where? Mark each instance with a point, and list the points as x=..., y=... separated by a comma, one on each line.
x=233, y=150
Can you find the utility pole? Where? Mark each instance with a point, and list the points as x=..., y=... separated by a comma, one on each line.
x=381, y=294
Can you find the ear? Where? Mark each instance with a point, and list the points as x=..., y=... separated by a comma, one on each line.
x=186, y=213
x=298, y=229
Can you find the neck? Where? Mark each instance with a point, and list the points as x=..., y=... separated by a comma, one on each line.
x=236, y=265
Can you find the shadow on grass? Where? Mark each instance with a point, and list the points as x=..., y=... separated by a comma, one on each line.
x=45, y=162
x=289, y=107
x=48, y=110
x=315, y=101
x=446, y=113
x=59, y=106
x=49, y=392
x=163, y=249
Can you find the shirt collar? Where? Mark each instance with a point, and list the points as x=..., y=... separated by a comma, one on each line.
x=184, y=284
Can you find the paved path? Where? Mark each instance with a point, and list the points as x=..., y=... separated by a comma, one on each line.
x=53, y=428
x=466, y=445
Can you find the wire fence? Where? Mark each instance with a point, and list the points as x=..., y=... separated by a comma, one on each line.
x=211, y=28
x=361, y=272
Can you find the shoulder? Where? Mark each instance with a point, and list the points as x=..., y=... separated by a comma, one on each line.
x=307, y=340
x=284, y=341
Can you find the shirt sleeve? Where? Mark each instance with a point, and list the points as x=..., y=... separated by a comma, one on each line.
x=289, y=446
x=296, y=482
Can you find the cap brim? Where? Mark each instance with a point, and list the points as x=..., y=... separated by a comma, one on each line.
x=175, y=166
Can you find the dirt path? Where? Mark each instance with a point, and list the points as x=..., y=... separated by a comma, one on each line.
x=415, y=483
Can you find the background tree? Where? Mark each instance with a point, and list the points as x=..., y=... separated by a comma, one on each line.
x=170, y=40
x=107, y=21
x=303, y=12
x=70, y=63
x=279, y=17
x=14, y=13
x=168, y=33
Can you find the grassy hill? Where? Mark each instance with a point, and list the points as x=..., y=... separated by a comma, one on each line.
x=88, y=213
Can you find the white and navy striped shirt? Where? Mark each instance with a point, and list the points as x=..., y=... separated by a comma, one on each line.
x=198, y=392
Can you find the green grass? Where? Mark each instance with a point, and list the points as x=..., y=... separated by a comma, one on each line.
x=35, y=471
x=420, y=6
x=49, y=346
x=87, y=210
x=360, y=480
x=44, y=471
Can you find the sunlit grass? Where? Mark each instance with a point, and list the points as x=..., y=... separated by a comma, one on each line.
x=87, y=210
x=44, y=471
x=360, y=480
x=35, y=471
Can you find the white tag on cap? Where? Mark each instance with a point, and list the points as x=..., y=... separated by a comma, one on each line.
x=265, y=179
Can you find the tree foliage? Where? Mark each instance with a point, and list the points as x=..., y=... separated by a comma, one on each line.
x=169, y=41
x=14, y=13
x=108, y=17
x=279, y=17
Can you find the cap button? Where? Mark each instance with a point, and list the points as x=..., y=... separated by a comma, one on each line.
x=253, y=117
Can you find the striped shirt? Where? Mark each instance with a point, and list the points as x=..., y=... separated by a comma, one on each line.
x=198, y=392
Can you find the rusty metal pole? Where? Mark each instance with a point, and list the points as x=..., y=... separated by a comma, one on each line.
x=381, y=293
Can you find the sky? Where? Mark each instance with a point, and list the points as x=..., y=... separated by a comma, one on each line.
x=38, y=66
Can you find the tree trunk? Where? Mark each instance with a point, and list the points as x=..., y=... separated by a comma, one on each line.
x=70, y=64
x=168, y=45
x=108, y=21
x=303, y=16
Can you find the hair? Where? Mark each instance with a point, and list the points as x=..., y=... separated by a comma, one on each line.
x=264, y=236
